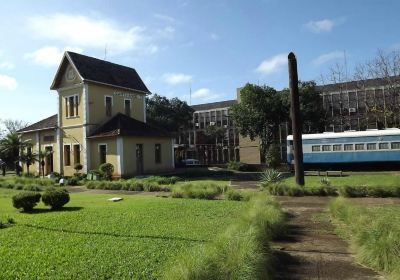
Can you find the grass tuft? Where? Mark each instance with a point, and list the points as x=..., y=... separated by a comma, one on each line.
x=373, y=231
x=241, y=252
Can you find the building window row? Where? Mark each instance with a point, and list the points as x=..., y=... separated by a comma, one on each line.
x=103, y=153
x=76, y=154
x=357, y=147
x=108, y=104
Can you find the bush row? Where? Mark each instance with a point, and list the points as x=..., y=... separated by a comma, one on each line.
x=200, y=190
x=150, y=184
x=375, y=237
x=241, y=252
x=55, y=198
x=19, y=186
x=325, y=190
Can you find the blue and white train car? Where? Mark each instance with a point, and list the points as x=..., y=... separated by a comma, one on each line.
x=371, y=146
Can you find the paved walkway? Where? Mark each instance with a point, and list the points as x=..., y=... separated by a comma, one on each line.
x=312, y=250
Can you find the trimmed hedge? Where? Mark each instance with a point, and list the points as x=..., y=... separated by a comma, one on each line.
x=26, y=200
x=55, y=198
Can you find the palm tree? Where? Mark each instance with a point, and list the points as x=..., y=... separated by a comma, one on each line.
x=28, y=158
x=10, y=147
x=42, y=155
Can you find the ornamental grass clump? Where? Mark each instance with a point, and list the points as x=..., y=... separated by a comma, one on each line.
x=199, y=190
x=373, y=231
x=26, y=200
x=242, y=251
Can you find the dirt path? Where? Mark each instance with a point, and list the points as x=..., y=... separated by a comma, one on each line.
x=312, y=250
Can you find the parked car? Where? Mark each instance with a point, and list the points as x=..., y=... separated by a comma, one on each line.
x=191, y=162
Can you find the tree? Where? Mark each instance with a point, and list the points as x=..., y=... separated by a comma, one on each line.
x=215, y=133
x=12, y=126
x=312, y=112
x=28, y=157
x=259, y=113
x=385, y=67
x=42, y=155
x=10, y=147
x=171, y=114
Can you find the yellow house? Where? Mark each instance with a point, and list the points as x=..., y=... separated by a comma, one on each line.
x=101, y=118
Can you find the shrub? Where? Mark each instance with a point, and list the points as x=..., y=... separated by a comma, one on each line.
x=55, y=198
x=78, y=167
x=32, y=188
x=325, y=181
x=234, y=195
x=273, y=156
x=238, y=166
x=75, y=180
x=26, y=200
x=162, y=180
x=350, y=191
x=200, y=190
x=107, y=170
x=270, y=176
x=18, y=186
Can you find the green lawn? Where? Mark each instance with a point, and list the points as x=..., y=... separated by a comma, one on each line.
x=96, y=239
x=382, y=179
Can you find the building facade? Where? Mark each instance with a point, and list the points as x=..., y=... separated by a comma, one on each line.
x=212, y=137
x=101, y=118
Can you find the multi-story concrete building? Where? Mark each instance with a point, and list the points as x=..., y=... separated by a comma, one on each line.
x=356, y=105
x=212, y=137
x=361, y=105
x=101, y=118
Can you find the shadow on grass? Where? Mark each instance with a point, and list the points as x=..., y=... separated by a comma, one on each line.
x=48, y=210
x=110, y=234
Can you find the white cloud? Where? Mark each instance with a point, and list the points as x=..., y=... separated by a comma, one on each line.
x=7, y=65
x=86, y=32
x=164, y=18
x=7, y=82
x=205, y=94
x=324, y=25
x=214, y=36
x=273, y=64
x=167, y=32
x=49, y=56
x=326, y=57
x=176, y=78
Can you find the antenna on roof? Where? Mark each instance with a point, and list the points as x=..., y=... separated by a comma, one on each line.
x=345, y=65
x=190, y=94
x=105, y=52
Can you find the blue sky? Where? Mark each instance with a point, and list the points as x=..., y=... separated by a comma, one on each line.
x=212, y=47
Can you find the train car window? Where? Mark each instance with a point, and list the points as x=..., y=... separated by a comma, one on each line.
x=316, y=148
x=326, y=148
x=337, y=147
x=383, y=146
x=359, y=147
x=348, y=147
x=395, y=145
x=371, y=146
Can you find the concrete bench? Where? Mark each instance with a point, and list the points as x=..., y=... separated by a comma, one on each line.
x=334, y=173
x=313, y=173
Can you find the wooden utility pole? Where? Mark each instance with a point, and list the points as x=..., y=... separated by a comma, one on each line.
x=296, y=122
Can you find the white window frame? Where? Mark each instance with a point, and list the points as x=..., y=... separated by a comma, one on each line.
x=76, y=105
